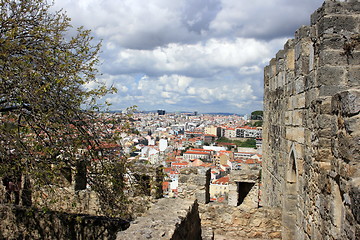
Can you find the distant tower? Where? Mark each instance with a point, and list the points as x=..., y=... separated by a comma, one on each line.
x=161, y=112
x=195, y=113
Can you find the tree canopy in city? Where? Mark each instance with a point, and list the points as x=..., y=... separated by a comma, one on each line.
x=47, y=122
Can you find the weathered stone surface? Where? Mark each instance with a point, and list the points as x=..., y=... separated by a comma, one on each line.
x=31, y=223
x=337, y=24
x=312, y=129
x=168, y=219
x=194, y=183
x=232, y=223
x=347, y=102
x=331, y=75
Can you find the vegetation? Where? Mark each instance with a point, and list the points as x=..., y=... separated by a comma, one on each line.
x=257, y=115
x=255, y=123
x=251, y=143
x=48, y=120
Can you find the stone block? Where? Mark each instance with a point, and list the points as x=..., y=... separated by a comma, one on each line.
x=310, y=80
x=332, y=43
x=353, y=75
x=266, y=76
x=289, y=45
x=323, y=105
x=330, y=90
x=288, y=118
x=337, y=24
x=352, y=124
x=290, y=59
x=272, y=68
x=324, y=155
x=311, y=57
x=325, y=133
x=201, y=197
x=325, y=121
x=347, y=102
x=332, y=57
x=299, y=84
x=331, y=75
x=324, y=142
x=297, y=118
x=295, y=134
x=310, y=96
x=348, y=147
x=354, y=58
x=302, y=66
x=280, y=80
x=290, y=88
x=342, y=7
x=302, y=32
x=297, y=102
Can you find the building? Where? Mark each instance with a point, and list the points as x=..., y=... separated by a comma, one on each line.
x=204, y=155
x=219, y=187
x=161, y=112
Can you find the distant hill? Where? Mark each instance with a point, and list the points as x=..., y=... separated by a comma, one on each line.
x=183, y=112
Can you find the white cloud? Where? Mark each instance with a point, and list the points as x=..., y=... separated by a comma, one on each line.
x=204, y=55
x=200, y=59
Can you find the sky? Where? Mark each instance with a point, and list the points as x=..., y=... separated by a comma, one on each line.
x=188, y=55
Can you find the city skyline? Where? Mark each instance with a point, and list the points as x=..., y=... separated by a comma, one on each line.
x=202, y=55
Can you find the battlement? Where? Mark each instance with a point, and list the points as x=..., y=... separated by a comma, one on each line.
x=311, y=145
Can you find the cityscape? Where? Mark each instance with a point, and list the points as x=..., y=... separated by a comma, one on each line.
x=181, y=140
x=255, y=133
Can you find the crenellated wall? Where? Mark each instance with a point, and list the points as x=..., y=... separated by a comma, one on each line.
x=311, y=133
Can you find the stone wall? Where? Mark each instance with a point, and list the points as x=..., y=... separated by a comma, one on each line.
x=174, y=219
x=30, y=223
x=311, y=127
x=64, y=198
x=239, y=193
x=194, y=184
x=224, y=222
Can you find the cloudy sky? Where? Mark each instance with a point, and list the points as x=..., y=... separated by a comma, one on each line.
x=188, y=55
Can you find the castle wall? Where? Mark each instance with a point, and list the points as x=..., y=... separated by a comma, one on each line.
x=174, y=219
x=311, y=127
x=31, y=223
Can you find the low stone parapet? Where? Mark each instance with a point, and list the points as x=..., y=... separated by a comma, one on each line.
x=167, y=219
x=17, y=222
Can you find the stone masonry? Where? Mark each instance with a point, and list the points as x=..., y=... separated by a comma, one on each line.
x=30, y=223
x=174, y=219
x=311, y=154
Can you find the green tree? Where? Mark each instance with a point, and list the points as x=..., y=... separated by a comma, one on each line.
x=257, y=115
x=47, y=115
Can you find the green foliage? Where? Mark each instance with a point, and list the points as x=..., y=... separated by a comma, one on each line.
x=255, y=124
x=224, y=140
x=258, y=124
x=48, y=118
x=251, y=143
x=257, y=113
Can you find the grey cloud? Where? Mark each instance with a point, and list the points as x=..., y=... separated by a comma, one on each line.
x=204, y=55
x=263, y=19
x=198, y=14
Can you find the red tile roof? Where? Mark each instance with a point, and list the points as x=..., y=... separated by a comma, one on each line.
x=222, y=181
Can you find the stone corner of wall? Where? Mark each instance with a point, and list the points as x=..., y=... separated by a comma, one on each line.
x=167, y=219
